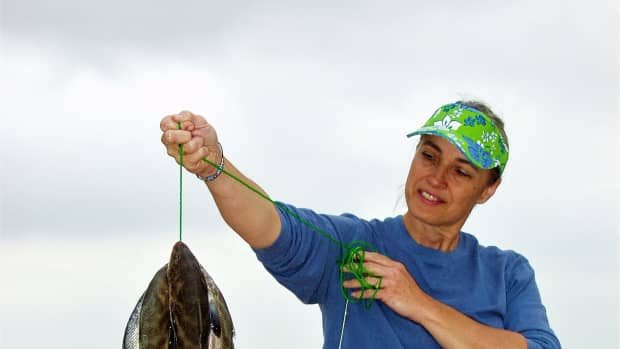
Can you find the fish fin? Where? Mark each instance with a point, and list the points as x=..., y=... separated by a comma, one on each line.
x=131, y=339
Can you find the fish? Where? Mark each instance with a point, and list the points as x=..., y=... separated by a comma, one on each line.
x=182, y=308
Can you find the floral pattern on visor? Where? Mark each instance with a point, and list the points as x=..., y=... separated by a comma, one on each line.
x=471, y=131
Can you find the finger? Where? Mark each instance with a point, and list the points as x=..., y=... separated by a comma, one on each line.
x=371, y=267
x=193, y=161
x=377, y=258
x=368, y=268
x=176, y=137
x=193, y=145
x=205, y=151
x=367, y=294
x=375, y=282
x=187, y=118
x=369, y=282
x=206, y=131
x=173, y=153
x=353, y=283
x=167, y=123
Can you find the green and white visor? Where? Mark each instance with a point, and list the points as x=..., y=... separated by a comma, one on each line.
x=471, y=131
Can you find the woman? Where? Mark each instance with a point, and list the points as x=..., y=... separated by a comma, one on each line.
x=438, y=286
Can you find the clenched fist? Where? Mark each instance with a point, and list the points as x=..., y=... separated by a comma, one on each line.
x=198, y=138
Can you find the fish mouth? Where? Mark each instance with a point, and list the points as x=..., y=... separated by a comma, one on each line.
x=183, y=263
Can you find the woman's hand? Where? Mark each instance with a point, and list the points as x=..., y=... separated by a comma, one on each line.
x=451, y=328
x=198, y=138
x=398, y=289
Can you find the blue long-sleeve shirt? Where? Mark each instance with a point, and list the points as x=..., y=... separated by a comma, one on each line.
x=494, y=287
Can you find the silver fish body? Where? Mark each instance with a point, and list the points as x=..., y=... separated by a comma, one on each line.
x=182, y=308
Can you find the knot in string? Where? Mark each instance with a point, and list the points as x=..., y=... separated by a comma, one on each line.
x=353, y=262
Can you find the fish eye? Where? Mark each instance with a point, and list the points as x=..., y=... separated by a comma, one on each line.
x=215, y=320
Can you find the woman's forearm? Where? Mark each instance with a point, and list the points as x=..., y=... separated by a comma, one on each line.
x=251, y=216
x=455, y=330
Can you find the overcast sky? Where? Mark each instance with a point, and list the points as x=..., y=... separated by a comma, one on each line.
x=312, y=100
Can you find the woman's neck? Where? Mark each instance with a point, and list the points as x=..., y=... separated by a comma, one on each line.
x=440, y=238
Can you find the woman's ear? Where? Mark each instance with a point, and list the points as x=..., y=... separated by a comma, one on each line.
x=489, y=191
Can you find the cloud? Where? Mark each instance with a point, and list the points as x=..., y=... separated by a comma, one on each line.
x=313, y=102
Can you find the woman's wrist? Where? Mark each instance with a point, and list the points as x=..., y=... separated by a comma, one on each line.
x=214, y=171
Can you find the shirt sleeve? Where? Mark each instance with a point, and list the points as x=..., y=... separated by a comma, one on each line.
x=301, y=259
x=525, y=312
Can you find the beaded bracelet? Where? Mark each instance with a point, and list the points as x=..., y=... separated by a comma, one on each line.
x=212, y=177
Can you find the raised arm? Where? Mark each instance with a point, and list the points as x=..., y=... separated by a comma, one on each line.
x=253, y=218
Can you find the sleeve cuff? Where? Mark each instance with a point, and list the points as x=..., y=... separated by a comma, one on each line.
x=279, y=247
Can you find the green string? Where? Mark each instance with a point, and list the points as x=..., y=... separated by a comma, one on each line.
x=353, y=252
x=180, y=188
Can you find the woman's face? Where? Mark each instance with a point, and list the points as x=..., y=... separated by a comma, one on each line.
x=442, y=186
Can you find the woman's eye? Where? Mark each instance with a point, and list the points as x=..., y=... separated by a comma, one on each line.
x=462, y=172
x=427, y=155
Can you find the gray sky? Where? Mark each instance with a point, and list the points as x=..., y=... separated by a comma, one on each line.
x=313, y=101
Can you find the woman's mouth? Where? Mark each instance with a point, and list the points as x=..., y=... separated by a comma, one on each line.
x=429, y=198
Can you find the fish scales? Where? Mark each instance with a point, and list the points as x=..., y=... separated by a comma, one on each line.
x=155, y=314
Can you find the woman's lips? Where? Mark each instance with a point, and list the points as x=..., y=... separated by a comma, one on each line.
x=429, y=198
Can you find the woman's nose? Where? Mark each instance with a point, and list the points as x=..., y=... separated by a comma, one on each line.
x=438, y=177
